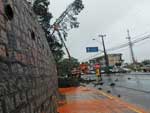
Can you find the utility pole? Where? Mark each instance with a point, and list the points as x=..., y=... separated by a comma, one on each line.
x=131, y=47
x=105, y=54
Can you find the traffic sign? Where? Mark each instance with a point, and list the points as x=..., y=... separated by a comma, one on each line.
x=91, y=49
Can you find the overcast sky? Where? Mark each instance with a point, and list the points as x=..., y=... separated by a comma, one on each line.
x=110, y=17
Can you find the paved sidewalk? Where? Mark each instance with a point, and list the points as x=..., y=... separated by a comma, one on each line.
x=88, y=100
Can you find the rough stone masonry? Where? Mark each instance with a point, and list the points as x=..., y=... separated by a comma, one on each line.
x=28, y=80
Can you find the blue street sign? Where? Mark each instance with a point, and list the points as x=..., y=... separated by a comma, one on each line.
x=91, y=49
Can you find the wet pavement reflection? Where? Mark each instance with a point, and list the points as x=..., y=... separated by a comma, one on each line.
x=133, y=88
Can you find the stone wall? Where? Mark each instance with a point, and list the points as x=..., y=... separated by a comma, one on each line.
x=28, y=80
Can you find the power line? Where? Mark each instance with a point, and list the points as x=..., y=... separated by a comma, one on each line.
x=90, y=57
x=141, y=39
x=127, y=44
x=121, y=46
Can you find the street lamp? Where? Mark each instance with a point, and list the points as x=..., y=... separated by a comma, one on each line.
x=98, y=42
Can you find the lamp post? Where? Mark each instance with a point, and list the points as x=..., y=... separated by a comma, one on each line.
x=99, y=43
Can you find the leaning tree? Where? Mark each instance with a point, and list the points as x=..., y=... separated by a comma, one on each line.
x=41, y=9
x=58, y=31
x=66, y=22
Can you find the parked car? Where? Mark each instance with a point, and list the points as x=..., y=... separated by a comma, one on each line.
x=146, y=68
x=92, y=72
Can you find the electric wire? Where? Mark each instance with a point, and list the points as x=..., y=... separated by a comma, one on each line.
x=120, y=46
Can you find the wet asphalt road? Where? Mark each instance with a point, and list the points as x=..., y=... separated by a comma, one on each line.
x=133, y=88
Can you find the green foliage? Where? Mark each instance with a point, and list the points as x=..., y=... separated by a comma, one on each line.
x=66, y=65
x=68, y=19
x=40, y=7
x=78, y=6
x=146, y=62
x=56, y=48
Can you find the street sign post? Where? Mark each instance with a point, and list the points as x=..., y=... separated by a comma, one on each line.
x=91, y=49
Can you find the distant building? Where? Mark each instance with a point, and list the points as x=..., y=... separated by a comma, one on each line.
x=113, y=59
